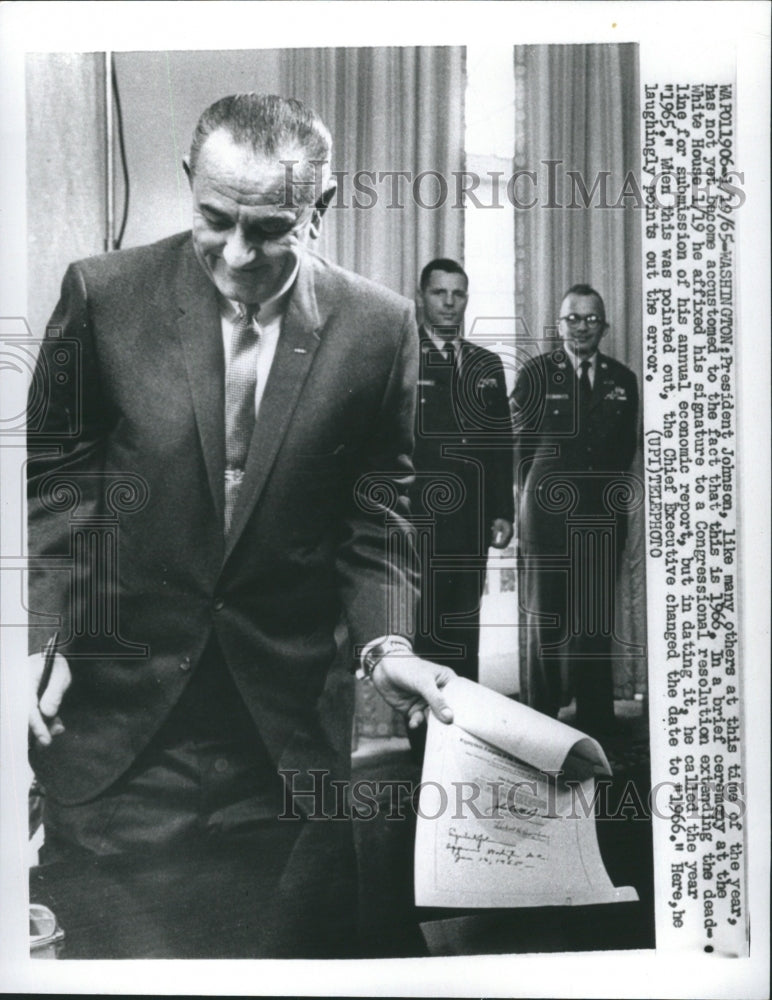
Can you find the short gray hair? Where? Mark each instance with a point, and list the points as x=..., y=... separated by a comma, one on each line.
x=269, y=124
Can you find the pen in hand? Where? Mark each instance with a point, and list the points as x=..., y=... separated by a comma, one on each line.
x=49, y=655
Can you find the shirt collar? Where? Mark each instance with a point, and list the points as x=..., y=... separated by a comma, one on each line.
x=439, y=343
x=272, y=308
x=577, y=361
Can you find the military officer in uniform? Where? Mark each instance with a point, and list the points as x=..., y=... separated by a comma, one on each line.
x=575, y=414
x=462, y=498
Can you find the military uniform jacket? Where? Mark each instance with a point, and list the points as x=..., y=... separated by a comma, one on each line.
x=463, y=447
x=567, y=457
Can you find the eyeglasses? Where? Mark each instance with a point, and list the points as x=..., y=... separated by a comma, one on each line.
x=593, y=321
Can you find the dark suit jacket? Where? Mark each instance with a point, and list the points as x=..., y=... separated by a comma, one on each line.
x=463, y=428
x=129, y=389
x=556, y=443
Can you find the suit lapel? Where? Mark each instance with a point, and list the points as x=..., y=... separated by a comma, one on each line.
x=570, y=369
x=295, y=352
x=200, y=335
x=430, y=353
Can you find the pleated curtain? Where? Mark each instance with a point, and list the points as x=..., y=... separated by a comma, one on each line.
x=577, y=109
x=389, y=109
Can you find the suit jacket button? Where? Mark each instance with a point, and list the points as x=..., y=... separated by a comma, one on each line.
x=219, y=604
x=185, y=664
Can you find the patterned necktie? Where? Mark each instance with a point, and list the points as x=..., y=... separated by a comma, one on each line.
x=585, y=386
x=240, y=384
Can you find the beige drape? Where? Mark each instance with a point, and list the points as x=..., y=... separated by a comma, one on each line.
x=578, y=105
x=389, y=109
x=577, y=109
x=65, y=171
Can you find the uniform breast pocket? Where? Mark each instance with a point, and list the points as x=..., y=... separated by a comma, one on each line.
x=558, y=414
x=616, y=411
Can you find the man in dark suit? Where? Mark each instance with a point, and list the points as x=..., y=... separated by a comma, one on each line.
x=220, y=436
x=462, y=498
x=575, y=415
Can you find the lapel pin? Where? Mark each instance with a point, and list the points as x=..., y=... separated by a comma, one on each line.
x=299, y=350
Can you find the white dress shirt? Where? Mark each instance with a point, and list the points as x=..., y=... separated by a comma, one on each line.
x=576, y=361
x=441, y=344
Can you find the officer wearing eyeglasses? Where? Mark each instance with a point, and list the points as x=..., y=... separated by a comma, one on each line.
x=575, y=413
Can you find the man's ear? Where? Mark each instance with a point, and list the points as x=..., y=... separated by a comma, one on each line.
x=186, y=168
x=321, y=206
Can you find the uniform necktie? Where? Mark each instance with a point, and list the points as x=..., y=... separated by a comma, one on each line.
x=585, y=387
x=240, y=384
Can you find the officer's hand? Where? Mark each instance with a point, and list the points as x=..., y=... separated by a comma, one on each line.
x=44, y=722
x=413, y=686
x=501, y=533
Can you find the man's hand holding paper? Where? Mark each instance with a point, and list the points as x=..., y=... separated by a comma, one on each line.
x=505, y=817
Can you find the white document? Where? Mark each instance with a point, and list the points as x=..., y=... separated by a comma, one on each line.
x=505, y=816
